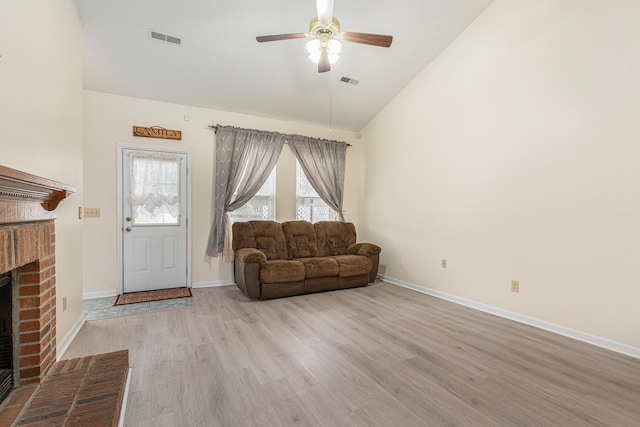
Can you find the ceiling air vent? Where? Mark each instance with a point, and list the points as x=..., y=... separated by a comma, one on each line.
x=164, y=37
x=350, y=81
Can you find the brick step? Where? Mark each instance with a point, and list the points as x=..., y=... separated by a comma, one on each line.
x=87, y=391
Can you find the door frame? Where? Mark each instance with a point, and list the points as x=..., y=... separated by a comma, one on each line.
x=121, y=146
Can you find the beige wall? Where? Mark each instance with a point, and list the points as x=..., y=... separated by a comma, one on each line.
x=41, y=121
x=109, y=120
x=516, y=155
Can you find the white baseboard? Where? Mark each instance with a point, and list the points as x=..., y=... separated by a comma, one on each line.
x=64, y=343
x=541, y=324
x=213, y=284
x=102, y=294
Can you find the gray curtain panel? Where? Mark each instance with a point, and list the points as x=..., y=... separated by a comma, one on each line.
x=323, y=162
x=244, y=160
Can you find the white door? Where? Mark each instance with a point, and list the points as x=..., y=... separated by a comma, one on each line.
x=154, y=220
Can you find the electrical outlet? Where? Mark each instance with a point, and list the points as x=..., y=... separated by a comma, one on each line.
x=515, y=286
x=64, y=303
x=92, y=212
x=444, y=263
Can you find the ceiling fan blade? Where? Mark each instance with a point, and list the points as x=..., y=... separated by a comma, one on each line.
x=323, y=64
x=277, y=37
x=364, y=38
x=325, y=11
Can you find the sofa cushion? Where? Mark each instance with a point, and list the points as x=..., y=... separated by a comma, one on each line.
x=300, y=239
x=279, y=271
x=334, y=237
x=242, y=236
x=269, y=239
x=353, y=265
x=319, y=267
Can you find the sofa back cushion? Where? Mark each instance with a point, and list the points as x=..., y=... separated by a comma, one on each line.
x=269, y=239
x=266, y=236
x=243, y=236
x=300, y=239
x=334, y=237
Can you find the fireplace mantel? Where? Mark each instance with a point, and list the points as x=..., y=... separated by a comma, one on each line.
x=25, y=197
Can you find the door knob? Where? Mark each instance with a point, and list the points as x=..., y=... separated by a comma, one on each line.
x=128, y=228
x=128, y=218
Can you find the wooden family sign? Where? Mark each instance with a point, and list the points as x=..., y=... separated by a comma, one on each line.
x=157, y=132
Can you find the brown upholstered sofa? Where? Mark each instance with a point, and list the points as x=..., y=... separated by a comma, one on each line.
x=275, y=260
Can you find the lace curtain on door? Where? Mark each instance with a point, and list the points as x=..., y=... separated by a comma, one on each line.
x=155, y=187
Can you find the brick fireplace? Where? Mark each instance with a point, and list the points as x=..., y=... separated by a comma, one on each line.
x=27, y=252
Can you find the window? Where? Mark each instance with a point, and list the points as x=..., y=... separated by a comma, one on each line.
x=309, y=206
x=155, y=188
x=260, y=206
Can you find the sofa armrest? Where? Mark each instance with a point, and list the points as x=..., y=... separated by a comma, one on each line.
x=372, y=252
x=247, y=262
x=250, y=255
x=366, y=249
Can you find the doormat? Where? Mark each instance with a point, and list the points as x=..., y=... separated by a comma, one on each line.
x=148, y=296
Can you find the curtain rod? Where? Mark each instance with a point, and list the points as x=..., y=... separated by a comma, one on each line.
x=215, y=130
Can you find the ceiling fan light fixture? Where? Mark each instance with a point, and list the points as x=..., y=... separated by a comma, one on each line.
x=313, y=46
x=334, y=46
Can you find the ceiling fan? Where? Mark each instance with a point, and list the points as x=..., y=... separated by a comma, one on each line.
x=324, y=30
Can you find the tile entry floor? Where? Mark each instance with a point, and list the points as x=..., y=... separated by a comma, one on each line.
x=102, y=308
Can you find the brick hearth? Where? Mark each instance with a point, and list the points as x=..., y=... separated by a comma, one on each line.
x=82, y=392
x=28, y=249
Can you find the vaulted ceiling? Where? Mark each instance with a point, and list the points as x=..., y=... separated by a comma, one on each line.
x=219, y=64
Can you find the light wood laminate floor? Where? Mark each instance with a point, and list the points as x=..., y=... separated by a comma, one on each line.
x=375, y=356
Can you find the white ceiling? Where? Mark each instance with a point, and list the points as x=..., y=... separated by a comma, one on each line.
x=221, y=66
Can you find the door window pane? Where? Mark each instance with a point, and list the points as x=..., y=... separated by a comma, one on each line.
x=155, y=189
